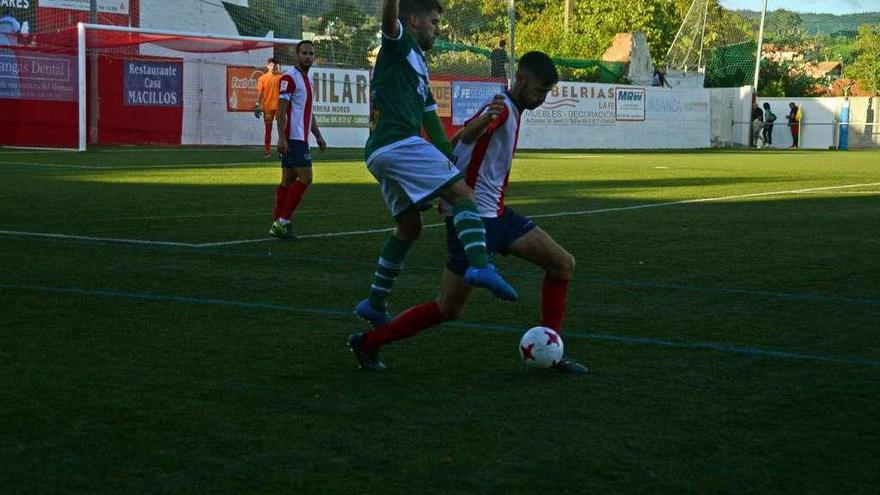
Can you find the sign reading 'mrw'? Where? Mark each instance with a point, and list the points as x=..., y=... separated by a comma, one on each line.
x=630, y=105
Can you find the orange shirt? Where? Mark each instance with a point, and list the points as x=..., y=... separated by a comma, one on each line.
x=267, y=86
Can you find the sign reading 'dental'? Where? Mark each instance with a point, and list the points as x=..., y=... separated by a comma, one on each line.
x=30, y=77
x=630, y=104
x=108, y=6
x=153, y=84
x=469, y=96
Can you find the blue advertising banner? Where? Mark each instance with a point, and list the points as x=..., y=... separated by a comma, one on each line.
x=37, y=77
x=469, y=96
x=154, y=84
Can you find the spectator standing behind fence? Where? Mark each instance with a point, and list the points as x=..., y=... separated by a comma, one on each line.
x=659, y=78
x=757, y=125
x=498, y=57
x=794, y=123
x=267, y=102
x=769, y=119
x=8, y=25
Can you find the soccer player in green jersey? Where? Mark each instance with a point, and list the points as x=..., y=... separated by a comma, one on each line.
x=410, y=170
x=484, y=152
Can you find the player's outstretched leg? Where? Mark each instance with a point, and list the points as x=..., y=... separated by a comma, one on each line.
x=374, y=309
x=367, y=358
x=375, y=317
x=472, y=234
x=489, y=278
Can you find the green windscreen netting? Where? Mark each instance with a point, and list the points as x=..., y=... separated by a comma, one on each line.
x=451, y=57
x=731, y=66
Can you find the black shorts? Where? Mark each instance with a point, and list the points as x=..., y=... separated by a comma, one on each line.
x=297, y=155
x=501, y=232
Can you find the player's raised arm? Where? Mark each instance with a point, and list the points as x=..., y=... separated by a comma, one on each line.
x=390, y=12
x=477, y=126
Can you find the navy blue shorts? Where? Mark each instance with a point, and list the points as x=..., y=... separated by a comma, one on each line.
x=501, y=232
x=297, y=155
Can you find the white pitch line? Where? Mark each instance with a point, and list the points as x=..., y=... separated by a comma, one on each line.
x=180, y=150
x=136, y=167
x=54, y=165
x=571, y=157
x=844, y=192
x=34, y=151
x=99, y=239
x=389, y=229
x=699, y=200
x=310, y=236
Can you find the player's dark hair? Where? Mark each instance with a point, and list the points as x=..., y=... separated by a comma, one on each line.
x=417, y=7
x=271, y=60
x=304, y=42
x=539, y=65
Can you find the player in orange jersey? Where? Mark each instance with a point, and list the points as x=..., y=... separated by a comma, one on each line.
x=267, y=101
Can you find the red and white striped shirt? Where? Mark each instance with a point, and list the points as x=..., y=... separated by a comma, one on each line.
x=485, y=163
x=297, y=90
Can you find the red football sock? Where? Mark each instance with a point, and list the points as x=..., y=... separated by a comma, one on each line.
x=405, y=325
x=280, y=194
x=553, y=293
x=294, y=196
x=268, y=141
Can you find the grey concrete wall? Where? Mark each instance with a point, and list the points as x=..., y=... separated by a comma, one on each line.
x=864, y=117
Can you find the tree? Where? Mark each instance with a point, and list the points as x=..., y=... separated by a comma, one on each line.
x=350, y=34
x=785, y=79
x=866, y=68
x=595, y=23
x=475, y=22
x=785, y=28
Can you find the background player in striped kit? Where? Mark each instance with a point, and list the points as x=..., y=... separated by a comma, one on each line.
x=484, y=154
x=296, y=120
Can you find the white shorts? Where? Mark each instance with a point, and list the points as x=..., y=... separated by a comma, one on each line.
x=411, y=172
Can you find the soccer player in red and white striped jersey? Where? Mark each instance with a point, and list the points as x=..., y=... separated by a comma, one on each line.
x=296, y=120
x=484, y=154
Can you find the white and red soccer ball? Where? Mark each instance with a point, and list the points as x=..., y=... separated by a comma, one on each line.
x=540, y=347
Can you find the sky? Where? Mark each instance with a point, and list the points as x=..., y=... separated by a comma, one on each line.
x=817, y=6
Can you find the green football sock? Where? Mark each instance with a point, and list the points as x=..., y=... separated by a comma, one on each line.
x=387, y=269
x=471, y=232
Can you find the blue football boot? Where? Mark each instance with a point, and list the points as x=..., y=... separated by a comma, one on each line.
x=365, y=311
x=489, y=278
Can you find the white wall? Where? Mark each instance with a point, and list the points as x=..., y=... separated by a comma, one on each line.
x=188, y=15
x=205, y=117
x=682, y=80
x=585, y=116
x=725, y=109
x=819, y=125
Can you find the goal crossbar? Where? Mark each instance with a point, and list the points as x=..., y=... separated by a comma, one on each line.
x=83, y=27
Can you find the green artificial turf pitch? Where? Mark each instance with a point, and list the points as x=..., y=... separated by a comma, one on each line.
x=155, y=339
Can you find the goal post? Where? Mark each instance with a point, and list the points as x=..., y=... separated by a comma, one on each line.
x=193, y=49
